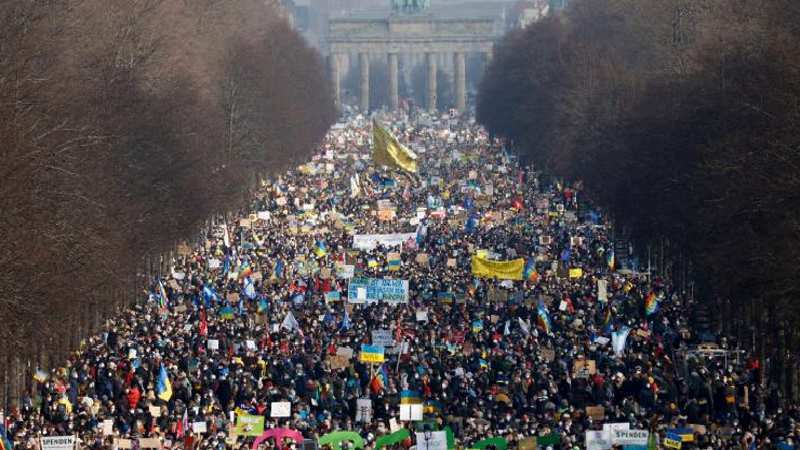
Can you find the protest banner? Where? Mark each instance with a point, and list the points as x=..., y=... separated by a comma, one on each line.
x=371, y=354
x=249, y=425
x=371, y=241
x=123, y=444
x=363, y=290
x=280, y=409
x=503, y=270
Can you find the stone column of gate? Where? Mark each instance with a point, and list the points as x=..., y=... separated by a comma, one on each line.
x=430, y=98
x=393, y=82
x=461, y=81
x=333, y=60
x=363, y=61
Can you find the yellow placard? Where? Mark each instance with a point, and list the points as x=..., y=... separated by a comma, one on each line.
x=371, y=357
x=575, y=272
x=503, y=270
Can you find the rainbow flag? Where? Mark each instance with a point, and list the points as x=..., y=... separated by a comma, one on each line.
x=530, y=270
x=394, y=261
x=245, y=270
x=5, y=443
x=162, y=295
x=610, y=260
x=410, y=398
x=650, y=304
x=380, y=380
x=543, y=318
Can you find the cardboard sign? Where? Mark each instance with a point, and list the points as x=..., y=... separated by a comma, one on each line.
x=548, y=354
x=422, y=259
x=149, y=443
x=386, y=214
x=451, y=262
x=123, y=443
x=155, y=411
x=338, y=362
x=280, y=409
x=597, y=413
x=528, y=443
x=584, y=368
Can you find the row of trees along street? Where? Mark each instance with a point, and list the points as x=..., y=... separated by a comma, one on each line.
x=124, y=125
x=681, y=119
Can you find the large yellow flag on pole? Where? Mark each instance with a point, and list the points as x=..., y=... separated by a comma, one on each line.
x=387, y=151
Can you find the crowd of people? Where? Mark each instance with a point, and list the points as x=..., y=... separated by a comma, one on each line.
x=258, y=311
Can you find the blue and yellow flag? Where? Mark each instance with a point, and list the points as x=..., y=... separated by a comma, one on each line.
x=163, y=386
x=388, y=151
x=320, y=249
x=502, y=270
x=410, y=398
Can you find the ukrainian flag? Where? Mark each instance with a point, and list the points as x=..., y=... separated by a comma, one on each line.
x=320, y=249
x=226, y=313
x=410, y=398
x=164, y=386
x=686, y=434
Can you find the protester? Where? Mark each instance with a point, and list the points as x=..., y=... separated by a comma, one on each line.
x=257, y=310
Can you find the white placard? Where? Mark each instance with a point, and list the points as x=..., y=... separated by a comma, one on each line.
x=214, y=263
x=630, y=437
x=199, y=427
x=280, y=409
x=264, y=215
x=213, y=344
x=436, y=440
x=108, y=427
x=364, y=410
x=410, y=413
x=250, y=344
x=602, y=290
x=422, y=316
x=597, y=440
x=58, y=443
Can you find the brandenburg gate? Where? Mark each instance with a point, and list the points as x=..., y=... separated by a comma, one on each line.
x=409, y=32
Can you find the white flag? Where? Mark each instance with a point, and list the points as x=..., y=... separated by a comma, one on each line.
x=618, y=339
x=524, y=325
x=290, y=323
